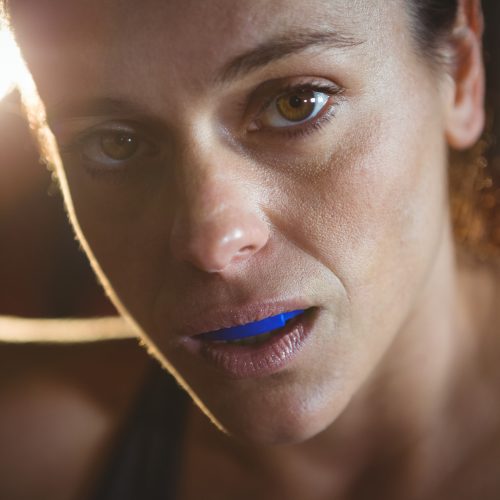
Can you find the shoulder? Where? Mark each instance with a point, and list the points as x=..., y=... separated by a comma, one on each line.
x=61, y=406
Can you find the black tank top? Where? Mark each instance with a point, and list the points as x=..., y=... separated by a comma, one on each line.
x=145, y=464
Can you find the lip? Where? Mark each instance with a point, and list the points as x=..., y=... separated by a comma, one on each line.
x=257, y=360
x=217, y=318
x=255, y=329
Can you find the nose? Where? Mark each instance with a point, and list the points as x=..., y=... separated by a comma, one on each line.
x=217, y=222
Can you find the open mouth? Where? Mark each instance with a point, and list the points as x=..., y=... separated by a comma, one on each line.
x=258, y=348
x=256, y=332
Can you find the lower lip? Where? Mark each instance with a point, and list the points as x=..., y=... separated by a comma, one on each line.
x=257, y=360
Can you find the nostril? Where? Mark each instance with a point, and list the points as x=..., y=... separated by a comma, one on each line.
x=247, y=249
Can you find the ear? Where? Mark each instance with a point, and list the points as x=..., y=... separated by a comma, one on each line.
x=465, y=117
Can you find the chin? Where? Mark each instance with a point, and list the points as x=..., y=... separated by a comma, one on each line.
x=277, y=420
x=275, y=436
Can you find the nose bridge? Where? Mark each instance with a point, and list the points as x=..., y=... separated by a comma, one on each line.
x=218, y=221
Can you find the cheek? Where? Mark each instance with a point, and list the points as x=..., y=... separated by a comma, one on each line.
x=375, y=214
x=124, y=232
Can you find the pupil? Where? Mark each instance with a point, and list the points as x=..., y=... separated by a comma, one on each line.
x=296, y=107
x=295, y=101
x=124, y=140
x=119, y=146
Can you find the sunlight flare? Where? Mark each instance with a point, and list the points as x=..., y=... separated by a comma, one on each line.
x=10, y=61
x=15, y=75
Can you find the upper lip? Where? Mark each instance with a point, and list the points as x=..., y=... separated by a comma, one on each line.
x=218, y=318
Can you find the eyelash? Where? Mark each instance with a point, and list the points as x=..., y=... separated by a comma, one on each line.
x=74, y=149
x=74, y=152
x=309, y=126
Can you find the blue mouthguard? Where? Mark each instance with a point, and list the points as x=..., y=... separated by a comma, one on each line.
x=251, y=329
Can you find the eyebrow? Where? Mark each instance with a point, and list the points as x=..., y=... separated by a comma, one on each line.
x=265, y=53
x=283, y=46
x=99, y=106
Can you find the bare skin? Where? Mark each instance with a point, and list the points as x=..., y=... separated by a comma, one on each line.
x=450, y=454
x=429, y=446
x=384, y=402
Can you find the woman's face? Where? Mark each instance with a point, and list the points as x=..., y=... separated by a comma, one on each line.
x=230, y=160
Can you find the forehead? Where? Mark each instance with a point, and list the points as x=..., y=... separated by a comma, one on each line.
x=75, y=42
x=60, y=20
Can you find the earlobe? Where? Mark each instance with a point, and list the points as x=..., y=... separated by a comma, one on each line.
x=466, y=116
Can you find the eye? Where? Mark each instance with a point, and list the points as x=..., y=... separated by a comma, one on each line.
x=112, y=148
x=293, y=108
x=119, y=146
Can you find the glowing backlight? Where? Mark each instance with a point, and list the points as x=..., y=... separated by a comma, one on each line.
x=14, y=74
x=11, y=70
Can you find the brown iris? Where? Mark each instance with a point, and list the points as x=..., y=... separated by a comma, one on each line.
x=297, y=106
x=119, y=146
